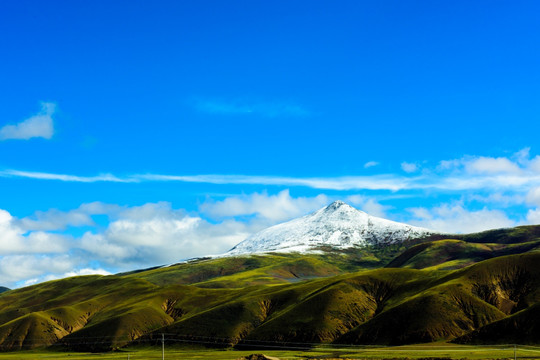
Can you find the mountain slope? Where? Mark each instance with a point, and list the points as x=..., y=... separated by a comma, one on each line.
x=520, y=328
x=454, y=254
x=338, y=225
x=433, y=289
x=380, y=306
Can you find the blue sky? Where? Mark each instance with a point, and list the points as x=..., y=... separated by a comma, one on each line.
x=136, y=133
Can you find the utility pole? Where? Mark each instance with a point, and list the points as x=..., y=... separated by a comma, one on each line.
x=163, y=346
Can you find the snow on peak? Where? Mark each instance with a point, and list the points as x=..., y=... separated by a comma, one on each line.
x=338, y=225
x=336, y=205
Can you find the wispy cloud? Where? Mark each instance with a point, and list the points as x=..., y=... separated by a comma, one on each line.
x=377, y=182
x=388, y=182
x=479, y=173
x=370, y=164
x=63, y=177
x=270, y=109
x=37, y=126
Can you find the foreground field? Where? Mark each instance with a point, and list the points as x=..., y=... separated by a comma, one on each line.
x=428, y=351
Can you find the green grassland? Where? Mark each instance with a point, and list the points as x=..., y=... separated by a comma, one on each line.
x=428, y=351
x=466, y=290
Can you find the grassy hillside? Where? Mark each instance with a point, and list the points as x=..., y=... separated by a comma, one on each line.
x=274, y=268
x=451, y=254
x=522, y=327
x=519, y=234
x=445, y=289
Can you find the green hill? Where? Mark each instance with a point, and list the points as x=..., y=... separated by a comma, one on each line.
x=437, y=290
x=454, y=254
x=521, y=328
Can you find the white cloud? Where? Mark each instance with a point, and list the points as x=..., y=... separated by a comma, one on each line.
x=29, y=282
x=370, y=164
x=101, y=247
x=275, y=208
x=26, y=256
x=367, y=204
x=533, y=196
x=374, y=208
x=489, y=165
x=409, y=167
x=421, y=214
x=54, y=219
x=87, y=271
x=533, y=216
x=534, y=165
x=155, y=234
x=135, y=237
x=49, y=277
x=64, y=177
x=8, y=232
x=522, y=156
x=13, y=239
x=376, y=182
x=498, y=198
x=389, y=182
x=454, y=218
x=468, y=173
x=98, y=207
x=39, y=125
x=518, y=163
x=449, y=164
x=20, y=268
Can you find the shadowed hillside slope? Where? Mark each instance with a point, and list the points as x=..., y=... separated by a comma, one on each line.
x=520, y=328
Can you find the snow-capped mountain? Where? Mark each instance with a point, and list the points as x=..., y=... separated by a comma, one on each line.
x=338, y=225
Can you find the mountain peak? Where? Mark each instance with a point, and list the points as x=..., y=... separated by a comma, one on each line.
x=336, y=205
x=337, y=225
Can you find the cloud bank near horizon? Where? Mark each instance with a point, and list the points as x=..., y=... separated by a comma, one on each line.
x=55, y=243
x=134, y=236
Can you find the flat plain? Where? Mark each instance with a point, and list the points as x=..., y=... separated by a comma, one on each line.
x=421, y=351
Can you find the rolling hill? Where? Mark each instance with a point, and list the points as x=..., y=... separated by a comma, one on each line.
x=435, y=287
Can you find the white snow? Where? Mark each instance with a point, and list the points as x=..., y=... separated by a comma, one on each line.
x=337, y=225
